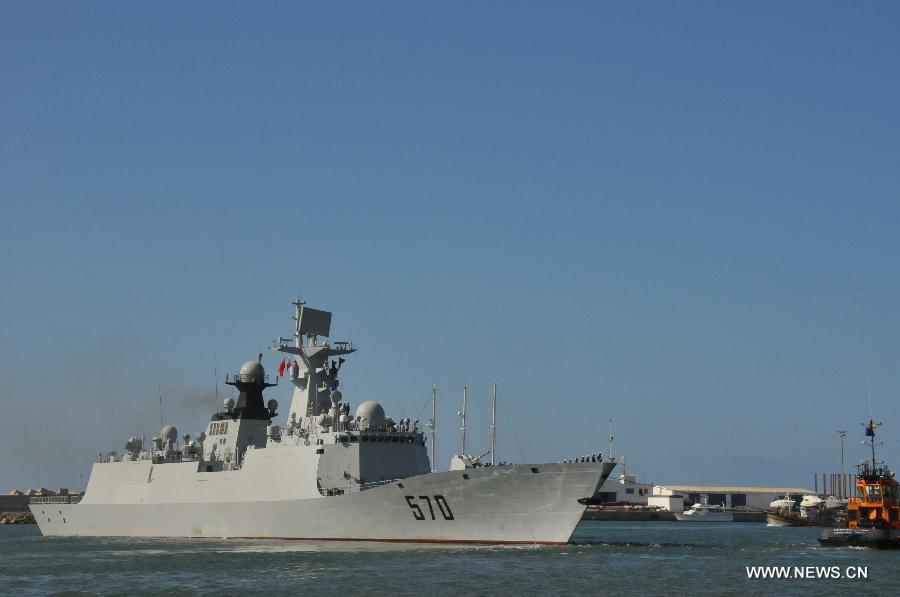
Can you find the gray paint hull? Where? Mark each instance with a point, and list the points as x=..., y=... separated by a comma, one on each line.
x=506, y=504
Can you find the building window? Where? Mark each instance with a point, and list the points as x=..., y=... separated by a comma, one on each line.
x=629, y=490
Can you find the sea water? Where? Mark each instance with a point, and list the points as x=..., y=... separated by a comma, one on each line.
x=647, y=558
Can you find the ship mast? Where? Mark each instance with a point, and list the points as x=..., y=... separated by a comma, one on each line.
x=870, y=434
x=433, y=428
x=462, y=416
x=494, y=425
x=870, y=428
x=313, y=380
x=842, y=433
x=609, y=455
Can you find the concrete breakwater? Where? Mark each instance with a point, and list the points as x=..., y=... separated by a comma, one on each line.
x=14, y=509
x=16, y=518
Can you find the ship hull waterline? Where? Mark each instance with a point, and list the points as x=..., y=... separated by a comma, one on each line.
x=495, y=505
x=860, y=537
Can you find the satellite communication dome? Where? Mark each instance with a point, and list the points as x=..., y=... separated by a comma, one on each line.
x=228, y=403
x=373, y=414
x=336, y=396
x=272, y=404
x=169, y=433
x=252, y=371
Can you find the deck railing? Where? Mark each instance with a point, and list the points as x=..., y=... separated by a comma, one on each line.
x=54, y=499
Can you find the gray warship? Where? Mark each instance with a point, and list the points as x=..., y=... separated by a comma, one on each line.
x=323, y=474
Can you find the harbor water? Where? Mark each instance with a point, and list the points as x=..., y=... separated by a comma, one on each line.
x=603, y=558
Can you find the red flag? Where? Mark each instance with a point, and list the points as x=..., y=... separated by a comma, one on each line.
x=281, y=367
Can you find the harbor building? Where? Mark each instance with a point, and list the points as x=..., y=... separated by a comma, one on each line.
x=626, y=489
x=738, y=497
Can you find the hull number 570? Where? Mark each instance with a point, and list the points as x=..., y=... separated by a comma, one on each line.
x=425, y=501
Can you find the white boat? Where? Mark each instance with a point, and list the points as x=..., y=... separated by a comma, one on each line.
x=323, y=475
x=784, y=503
x=835, y=503
x=811, y=510
x=811, y=501
x=704, y=512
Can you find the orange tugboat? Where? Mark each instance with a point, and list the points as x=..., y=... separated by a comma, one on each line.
x=873, y=515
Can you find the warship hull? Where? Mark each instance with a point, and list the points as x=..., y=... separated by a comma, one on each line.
x=533, y=503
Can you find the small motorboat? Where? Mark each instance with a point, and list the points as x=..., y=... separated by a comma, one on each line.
x=704, y=512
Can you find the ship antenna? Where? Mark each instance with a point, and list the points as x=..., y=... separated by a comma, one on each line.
x=433, y=428
x=462, y=416
x=870, y=428
x=869, y=393
x=842, y=433
x=494, y=424
x=609, y=455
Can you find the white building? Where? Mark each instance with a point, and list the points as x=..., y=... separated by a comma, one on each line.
x=624, y=488
x=676, y=498
x=750, y=498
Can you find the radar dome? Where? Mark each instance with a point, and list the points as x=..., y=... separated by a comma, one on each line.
x=273, y=405
x=228, y=403
x=252, y=371
x=336, y=396
x=372, y=415
x=169, y=433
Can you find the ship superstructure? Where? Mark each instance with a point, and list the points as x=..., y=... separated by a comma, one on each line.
x=323, y=474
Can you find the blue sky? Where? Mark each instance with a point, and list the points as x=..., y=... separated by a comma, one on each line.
x=681, y=216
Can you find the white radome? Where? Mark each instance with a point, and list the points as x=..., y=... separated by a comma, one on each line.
x=371, y=412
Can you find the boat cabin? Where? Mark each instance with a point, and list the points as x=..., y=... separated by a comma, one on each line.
x=877, y=503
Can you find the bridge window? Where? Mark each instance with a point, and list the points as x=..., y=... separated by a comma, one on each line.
x=218, y=428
